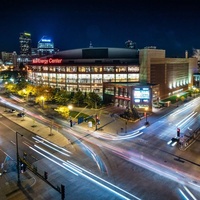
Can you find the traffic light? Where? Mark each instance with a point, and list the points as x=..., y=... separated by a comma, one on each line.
x=46, y=175
x=62, y=192
x=178, y=132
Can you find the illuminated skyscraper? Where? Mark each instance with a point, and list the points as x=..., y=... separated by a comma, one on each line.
x=25, y=44
x=45, y=46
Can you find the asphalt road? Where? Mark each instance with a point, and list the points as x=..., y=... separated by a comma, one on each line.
x=134, y=164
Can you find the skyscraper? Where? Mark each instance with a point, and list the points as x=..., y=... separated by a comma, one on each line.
x=45, y=46
x=25, y=44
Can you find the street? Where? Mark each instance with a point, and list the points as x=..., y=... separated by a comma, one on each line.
x=141, y=164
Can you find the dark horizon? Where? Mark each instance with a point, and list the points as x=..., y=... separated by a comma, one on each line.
x=169, y=25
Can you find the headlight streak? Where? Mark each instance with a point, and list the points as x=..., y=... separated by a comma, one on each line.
x=181, y=110
x=53, y=161
x=188, y=191
x=53, y=148
x=198, y=186
x=126, y=155
x=154, y=166
x=174, y=144
x=181, y=123
x=186, y=106
x=104, y=186
x=148, y=164
x=93, y=156
x=97, y=177
x=63, y=149
x=183, y=194
x=134, y=134
x=70, y=166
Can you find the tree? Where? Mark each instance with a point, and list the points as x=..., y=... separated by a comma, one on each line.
x=11, y=87
x=63, y=110
x=62, y=97
x=78, y=98
x=93, y=99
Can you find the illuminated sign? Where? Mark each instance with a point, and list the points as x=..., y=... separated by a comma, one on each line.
x=46, y=61
x=142, y=93
x=137, y=100
x=27, y=34
x=46, y=40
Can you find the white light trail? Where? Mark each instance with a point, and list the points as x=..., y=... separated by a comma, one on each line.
x=104, y=181
x=188, y=191
x=53, y=161
x=183, y=194
x=186, y=119
x=79, y=171
x=52, y=148
x=63, y=149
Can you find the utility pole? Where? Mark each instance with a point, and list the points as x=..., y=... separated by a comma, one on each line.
x=17, y=152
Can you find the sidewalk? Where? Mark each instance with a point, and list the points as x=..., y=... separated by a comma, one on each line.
x=48, y=132
x=9, y=188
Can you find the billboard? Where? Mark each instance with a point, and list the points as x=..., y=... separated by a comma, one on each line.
x=141, y=95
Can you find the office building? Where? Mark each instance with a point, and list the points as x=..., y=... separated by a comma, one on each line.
x=25, y=44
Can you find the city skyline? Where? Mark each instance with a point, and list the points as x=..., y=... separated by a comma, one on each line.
x=169, y=25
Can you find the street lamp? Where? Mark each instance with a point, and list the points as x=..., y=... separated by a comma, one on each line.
x=70, y=107
x=17, y=152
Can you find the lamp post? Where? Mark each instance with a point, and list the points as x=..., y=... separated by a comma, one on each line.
x=17, y=155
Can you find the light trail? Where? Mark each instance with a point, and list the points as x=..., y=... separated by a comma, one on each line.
x=182, y=193
x=186, y=119
x=104, y=181
x=188, y=191
x=129, y=135
x=52, y=148
x=53, y=160
x=63, y=149
x=71, y=167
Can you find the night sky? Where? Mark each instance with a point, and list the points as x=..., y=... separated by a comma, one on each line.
x=170, y=25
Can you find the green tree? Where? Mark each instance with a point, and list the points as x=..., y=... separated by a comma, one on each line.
x=93, y=100
x=21, y=85
x=78, y=98
x=62, y=97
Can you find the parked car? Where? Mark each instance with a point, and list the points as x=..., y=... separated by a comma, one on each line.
x=21, y=114
x=11, y=110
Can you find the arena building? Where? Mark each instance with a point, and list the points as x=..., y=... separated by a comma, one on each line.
x=99, y=69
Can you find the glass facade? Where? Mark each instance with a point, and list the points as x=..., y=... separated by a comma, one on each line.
x=85, y=78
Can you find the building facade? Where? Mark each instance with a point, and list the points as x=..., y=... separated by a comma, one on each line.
x=88, y=69
x=45, y=46
x=85, y=69
x=174, y=75
x=25, y=44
